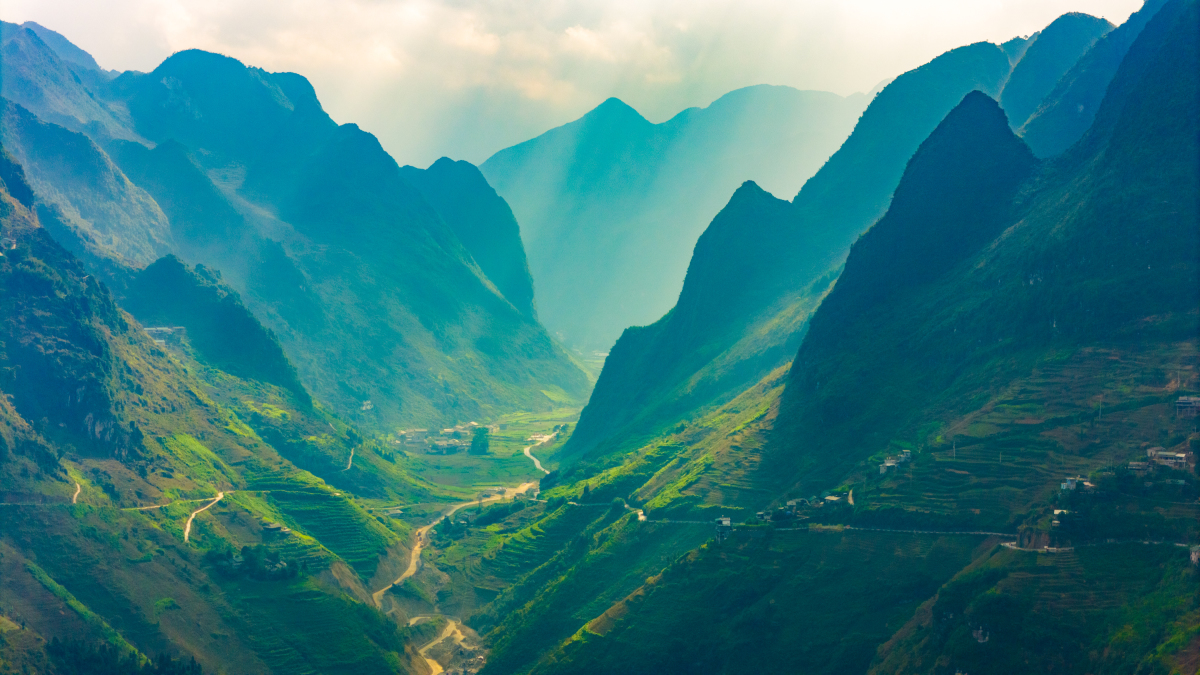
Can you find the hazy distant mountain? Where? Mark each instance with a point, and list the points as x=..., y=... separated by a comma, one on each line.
x=1068, y=109
x=89, y=202
x=1052, y=53
x=764, y=264
x=610, y=205
x=482, y=221
x=370, y=291
x=46, y=79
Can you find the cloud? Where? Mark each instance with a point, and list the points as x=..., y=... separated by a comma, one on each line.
x=467, y=77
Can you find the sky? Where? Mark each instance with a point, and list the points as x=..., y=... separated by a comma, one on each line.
x=465, y=78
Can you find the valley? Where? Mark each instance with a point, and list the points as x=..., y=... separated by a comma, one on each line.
x=272, y=402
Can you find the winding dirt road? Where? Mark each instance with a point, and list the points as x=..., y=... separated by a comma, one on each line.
x=540, y=443
x=415, y=558
x=450, y=629
x=350, y=462
x=75, y=497
x=187, y=529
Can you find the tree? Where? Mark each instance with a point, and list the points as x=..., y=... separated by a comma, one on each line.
x=480, y=441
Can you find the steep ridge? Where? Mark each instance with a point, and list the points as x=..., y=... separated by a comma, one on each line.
x=168, y=293
x=1093, y=266
x=482, y=221
x=88, y=202
x=1032, y=294
x=749, y=291
x=262, y=185
x=97, y=423
x=1055, y=50
x=1066, y=113
x=611, y=204
x=42, y=77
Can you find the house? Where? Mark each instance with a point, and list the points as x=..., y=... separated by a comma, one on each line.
x=1187, y=406
x=724, y=528
x=1152, y=453
x=833, y=498
x=1070, y=483
x=1138, y=466
x=906, y=456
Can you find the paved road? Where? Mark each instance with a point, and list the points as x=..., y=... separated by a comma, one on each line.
x=187, y=529
x=415, y=558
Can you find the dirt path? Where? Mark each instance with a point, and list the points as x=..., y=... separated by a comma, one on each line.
x=415, y=558
x=75, y=497
x=349, y=462
x=540, y=443
x=187, y=529
x=450, y=629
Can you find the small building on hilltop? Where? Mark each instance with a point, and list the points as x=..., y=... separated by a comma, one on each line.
x=1187, y=406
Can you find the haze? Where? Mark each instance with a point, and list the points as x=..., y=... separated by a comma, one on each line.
x=465, y=78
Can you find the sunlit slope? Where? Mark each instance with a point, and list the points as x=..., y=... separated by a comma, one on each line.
x=482, y=221
x=373, y=296
x=118, y=423
x=610, y=205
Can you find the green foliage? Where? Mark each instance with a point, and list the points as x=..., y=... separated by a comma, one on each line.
x=72, y=657
x=221, y=329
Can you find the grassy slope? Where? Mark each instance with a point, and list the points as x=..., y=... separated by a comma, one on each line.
x=991, y=445
x=173, y=429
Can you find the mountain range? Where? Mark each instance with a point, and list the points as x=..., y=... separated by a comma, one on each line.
x=611, y=204
x=933, y=415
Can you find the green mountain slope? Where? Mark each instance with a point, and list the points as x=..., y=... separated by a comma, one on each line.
x=96, y=421
x=1055, y=50
x=236, y=149
x=482, y=221
x=980, y=326
x=611, y=204
x=764, y=264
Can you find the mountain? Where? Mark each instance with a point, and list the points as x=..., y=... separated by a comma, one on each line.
x=764, y=264
x=482, y=221
x=1066, y=112
x=1008, y=322
x=98, y=421
x=1052, y=53
x=86, y=199
x=316, y=229
x=48, y=75
x=611, y=204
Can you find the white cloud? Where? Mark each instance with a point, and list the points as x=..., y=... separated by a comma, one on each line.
x=468, y=77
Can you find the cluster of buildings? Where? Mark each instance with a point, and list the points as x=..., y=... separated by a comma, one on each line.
x=275, y=530
x=446, y=441
x=1158, y=456
x=891, y=463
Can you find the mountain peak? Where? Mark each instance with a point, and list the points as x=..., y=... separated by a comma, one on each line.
x=614, y=111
